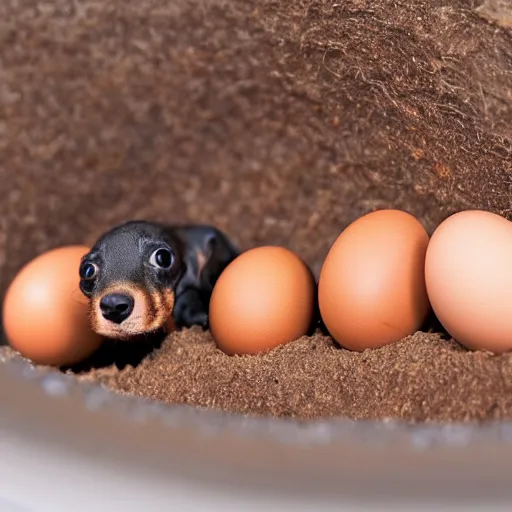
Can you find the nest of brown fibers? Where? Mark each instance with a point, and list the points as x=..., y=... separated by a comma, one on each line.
x=280, y=122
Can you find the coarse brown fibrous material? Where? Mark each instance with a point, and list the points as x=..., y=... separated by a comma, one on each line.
x=280, y=122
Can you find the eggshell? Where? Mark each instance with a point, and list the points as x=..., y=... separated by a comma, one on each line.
x=264, y=298
x=44, y=312
x=372, y=289
x=468, y=271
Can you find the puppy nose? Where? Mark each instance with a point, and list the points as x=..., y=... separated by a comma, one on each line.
x=116, y=307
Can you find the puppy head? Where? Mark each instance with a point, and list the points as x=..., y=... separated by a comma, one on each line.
x=130, y=276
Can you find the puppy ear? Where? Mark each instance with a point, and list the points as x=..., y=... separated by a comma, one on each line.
x=216, y=253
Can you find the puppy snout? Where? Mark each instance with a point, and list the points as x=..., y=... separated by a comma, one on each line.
x=116, y=307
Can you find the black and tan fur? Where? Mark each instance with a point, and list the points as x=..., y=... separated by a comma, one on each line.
x=125, y=276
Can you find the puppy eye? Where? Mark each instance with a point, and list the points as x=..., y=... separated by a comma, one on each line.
x=162, y=258
x=88, y=270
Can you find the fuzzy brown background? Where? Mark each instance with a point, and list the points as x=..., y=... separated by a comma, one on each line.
x=278, y=121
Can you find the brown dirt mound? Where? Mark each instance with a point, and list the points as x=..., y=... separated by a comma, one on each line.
x=280, y=122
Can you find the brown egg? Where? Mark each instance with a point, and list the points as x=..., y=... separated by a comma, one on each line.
x=372, y=288
x=45, y=313
x=468, y=273
x=264, y=298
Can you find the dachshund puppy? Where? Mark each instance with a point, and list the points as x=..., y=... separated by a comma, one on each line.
x=141, y=275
